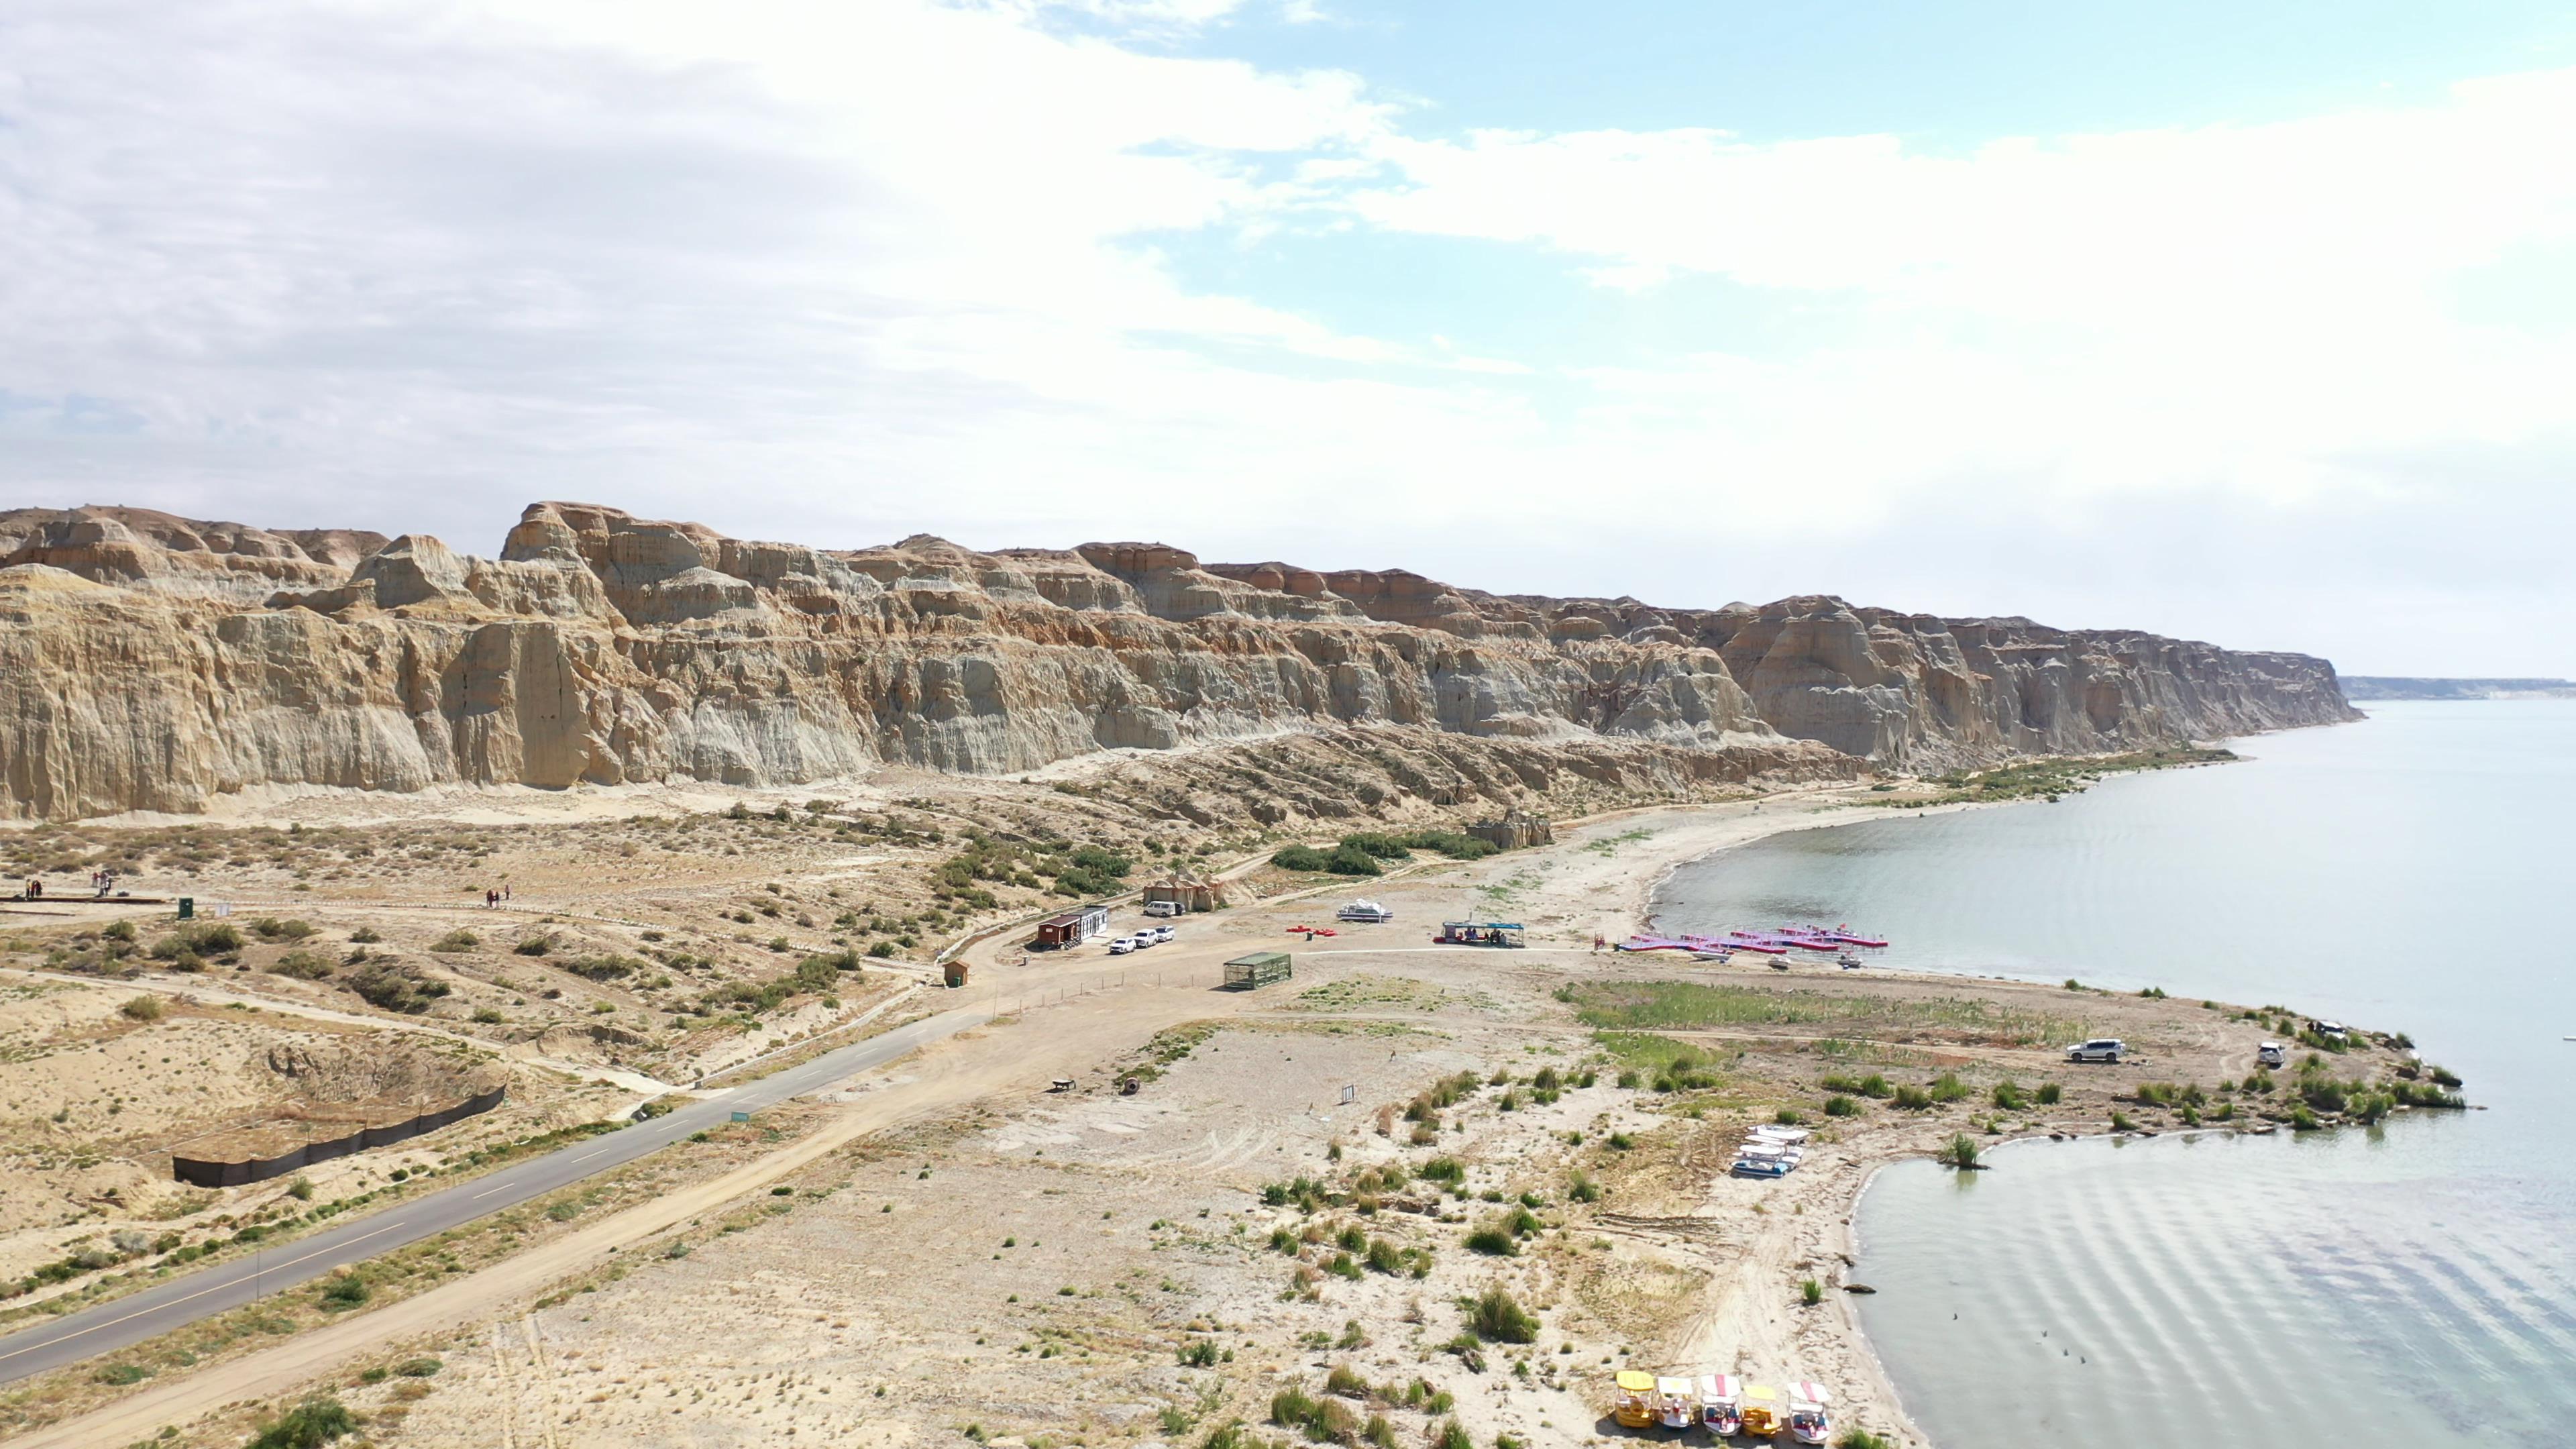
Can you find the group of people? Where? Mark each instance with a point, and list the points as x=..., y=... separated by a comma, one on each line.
x=102, y=884
x=493, y=898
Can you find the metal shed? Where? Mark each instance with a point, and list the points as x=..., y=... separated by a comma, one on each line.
x=1261, y=968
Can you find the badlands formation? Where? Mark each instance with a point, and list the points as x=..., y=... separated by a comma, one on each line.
x=158, y=664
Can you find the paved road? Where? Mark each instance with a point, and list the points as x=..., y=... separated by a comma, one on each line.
x=226, y=1286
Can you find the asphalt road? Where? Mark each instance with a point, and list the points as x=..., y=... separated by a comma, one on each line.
x=225, y=1286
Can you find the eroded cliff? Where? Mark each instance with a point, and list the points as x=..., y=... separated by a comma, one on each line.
x=149, y=662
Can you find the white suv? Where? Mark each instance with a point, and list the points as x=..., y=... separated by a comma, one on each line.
x=2100, y=1049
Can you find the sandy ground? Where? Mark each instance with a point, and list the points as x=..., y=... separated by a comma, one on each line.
x=959, y=1247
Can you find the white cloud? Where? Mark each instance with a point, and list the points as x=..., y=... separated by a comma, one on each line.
x=835, y=273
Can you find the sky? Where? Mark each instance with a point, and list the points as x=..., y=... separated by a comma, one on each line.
x=2254, y=324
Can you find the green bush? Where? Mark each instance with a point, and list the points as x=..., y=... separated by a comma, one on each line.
x=344, y=1291
x=1811, y=1292
x=1452, y=1435
x=456, y=941
x=602, y=968
x=1948, y=1088
x=1350, y=860
x=309, y=1425
x=1492, y=1242
x=1498, y=1318
x=1300, y=857
x=121, y=1374
x=395, y=987
x=535, y=946
x=2009, y=1097
x=1863, y=1439
x=142, y=1008
x=302, y=966
x=1960, y=1151
x=211, y=938
x=270, y=928
x=1914, y=1099
x=2048, y=1094
x=1841, y=1106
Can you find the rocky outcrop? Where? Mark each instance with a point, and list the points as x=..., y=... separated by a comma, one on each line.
x=149, y=662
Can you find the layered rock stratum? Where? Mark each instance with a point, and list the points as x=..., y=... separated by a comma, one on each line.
x=154, y=663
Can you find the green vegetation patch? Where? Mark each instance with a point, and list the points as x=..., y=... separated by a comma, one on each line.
x=1645, y=1006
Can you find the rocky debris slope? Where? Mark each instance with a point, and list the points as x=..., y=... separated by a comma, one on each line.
x=153, y=663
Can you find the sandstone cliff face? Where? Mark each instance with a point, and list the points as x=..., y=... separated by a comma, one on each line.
x=149, y=662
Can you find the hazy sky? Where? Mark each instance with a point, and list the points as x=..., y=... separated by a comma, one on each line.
x=2254, y=327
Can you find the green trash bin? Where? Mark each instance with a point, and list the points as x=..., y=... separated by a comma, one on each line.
x=187, y=908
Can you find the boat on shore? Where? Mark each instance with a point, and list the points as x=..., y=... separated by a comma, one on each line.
x=1808, y=1421
x=1675, y=1408
x=1633, y=1402
x=1717, y=1405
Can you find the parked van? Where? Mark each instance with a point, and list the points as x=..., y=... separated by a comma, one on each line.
x=2099, y=1049
x=1161, y=909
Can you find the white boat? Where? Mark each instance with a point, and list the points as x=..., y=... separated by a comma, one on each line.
x=1808, y=1421
x=1718, y=1413
x=1364, y=911
x=1674, y=1406
x=1763, y=1159
x=1786, y=1136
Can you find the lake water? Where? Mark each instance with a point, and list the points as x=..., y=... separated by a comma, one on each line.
x=2404, y=1285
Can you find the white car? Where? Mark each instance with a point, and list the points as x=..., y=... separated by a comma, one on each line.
x=1122, y=945
x=1162, y=934
x=2271, y=1054
x=2100, y=1049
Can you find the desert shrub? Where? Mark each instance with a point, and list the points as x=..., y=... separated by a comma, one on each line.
x=1347, y=1382
x=121, y=1374
x=1841, y=1106
x=1914, y=1099
x=270, y=928
x=364, y=936
x=301, y=965
x=1863, y=1439
x=2120, y=1122
x=344, y=1291
x=601, y=968
x=535, y=946
x=1499, y=1318
x=823, y=972
x=1948, y=1088
x=2009, y=1097
x=1452, y=1435
x=309, y=1425
x=1443, y=1169
x=1960, y=1151
x=2048, y=1094
x=1493, y=1242
x=456, y=941
x=211, y=938
x=395, y=986
x=418, y=1368
x=1198, y=1353
x=1581, y=1188
x=142, y=1008
x=1811, y=1292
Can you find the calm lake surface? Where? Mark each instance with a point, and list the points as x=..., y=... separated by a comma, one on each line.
x=2405, y=1285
